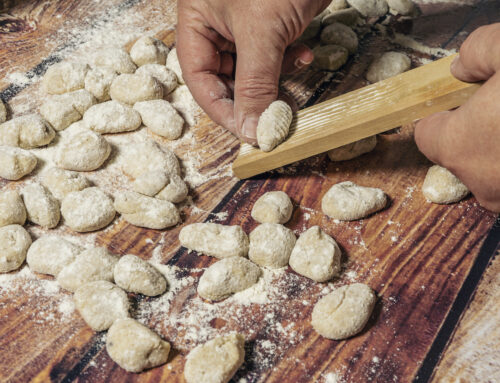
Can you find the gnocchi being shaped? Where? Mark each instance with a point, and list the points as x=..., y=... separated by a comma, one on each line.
x=274, y=125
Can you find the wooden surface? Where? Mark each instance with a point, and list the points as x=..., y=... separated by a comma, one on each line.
x=424, y=260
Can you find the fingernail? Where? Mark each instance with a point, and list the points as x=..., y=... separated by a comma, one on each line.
x=454, y=62
x=299, y=63
x=249, y=128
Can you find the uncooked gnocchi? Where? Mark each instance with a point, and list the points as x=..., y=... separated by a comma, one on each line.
x=29, y=131
x=353, y=150
x=41, y=206
x=64, y=77
x=173, y=65
x=3, y=112
x=330, y=57
x=165, y=76
x=271, y=245
x=273, y=207
x=15, y=163
x=134, y=274
x=347, y=17
x=147, y=157
x=182, y=100
x=274, y=125
x=112, y=117
x=14, y=243
x=161, y=118
x=131, y=88
x=340, y=34
x=402, y=7
x=61, y=182
x=148, y=50
x=12, y=209
x=442, y=186
x=50, y=254
x=370, y=8
x=161, y=185
x=114, y=58
x=98, y=81
x=388, y=65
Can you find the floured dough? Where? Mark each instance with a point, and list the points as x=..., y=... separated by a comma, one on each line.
x=274, y=125
x=148, y=50
x=161, y=118
x=182, y=100
x=14, y=243
x=330, y=57
x=353, y=150
x=215, y=240
x=347, y=16
x=64, y=77
x=370, y=8
x=12, y=210
x=112, y=117
x=60, y=182
x=135, y=275
x=15, y=163
x=161, y=185
x=3, y=112
x=442, y=186
x=29, y=131
x=173, y=65
x=100, y=303
x=340, y=34
x=226, y=277
x=98, y=81
x=50, y=254
x=165, y=76
x=273, y=207
x=344, y=312
x=132, y=88
x=41, y=206
x=347, y=201
x=388, y=65
x=147, y=157
x=335, y=5
x=402, y=7
x=114, y=58
x=271, y=245
x=62, y=110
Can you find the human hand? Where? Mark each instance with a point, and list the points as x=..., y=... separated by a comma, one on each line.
x=466, y=141
x=259, y=32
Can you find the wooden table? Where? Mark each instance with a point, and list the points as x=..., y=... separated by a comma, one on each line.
x=433, y=266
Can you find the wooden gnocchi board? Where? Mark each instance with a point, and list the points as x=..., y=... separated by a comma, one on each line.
x=433, y=266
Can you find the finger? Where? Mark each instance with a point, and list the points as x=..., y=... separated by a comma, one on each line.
x=429, y=135
x=297, y=57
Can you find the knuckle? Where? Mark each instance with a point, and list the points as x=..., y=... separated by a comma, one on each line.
x=256, y=87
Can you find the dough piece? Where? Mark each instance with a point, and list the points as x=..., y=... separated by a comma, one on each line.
x=135, y=275
x=148, y=50
x=226, y=277
x=134, y=347
x=3, y=112
x=312, y=30
x=347, y=201
x=64, y=77
x=50, y=254
x=147, y=157
x=168, y=187
x=388, y=65
x=94, y=264
x=87, y=210
x=215, y=361
x=370, y=8
x=41, y=206
x=83, y=150
x=98, y=81
x=344, y=312
x=174, y=65
x=132, y=88
x=182, y=100
x=347, y=16
x=112, y=117
x=12, y=210
x=29, y=131
x=330, y=57
x=271, y=245
x=215, y=240
x=353, y=150
x=14, y=243
x=15, y=163
x=442, y=186
x=274, y=125
x=340, y=34
x=316, y=255
x=161, y=118
x=114, y=58
x=61, y=182
x=165, y=76
x=402, y=7
x=273, y=207
x=100, y=303
x=336, y=5
x=64, y=109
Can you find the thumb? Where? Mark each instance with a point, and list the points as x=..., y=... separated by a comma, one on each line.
x=430, y=135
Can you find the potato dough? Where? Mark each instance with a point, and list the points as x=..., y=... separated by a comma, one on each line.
x=100, y=303
x=14, y=243
x=112, y=117
x=273, y=207
x=64, y=77
x=165, y=76
x=370, y=8
x=87, y=210
x=50, y=254
x=271, y=245
x=173, y=65
x=226, y=277
x=114, y=58
x=353, y=150
x=3, y=112
x=347, y=16
x=161, y=185
x=98, y=81
x=330, y=57
x=41, y=206
x=402, y=7
x=133, y=274
x=161, y=118
x=274, y=125
x=347, y=201
x=29, y=131
x=61, y=182
x=388, y=65
x=12, y=210
x=15, y=163
x=340, y=34
x=215, y=240
x=147, y=157
x=442, y=186
x=182, y=100
x=336, y=5
x=148, y=50
x=132, y=88
x=344, y=312
x=215, y=361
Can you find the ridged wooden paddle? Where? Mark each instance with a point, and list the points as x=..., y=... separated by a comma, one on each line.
x=362, y=113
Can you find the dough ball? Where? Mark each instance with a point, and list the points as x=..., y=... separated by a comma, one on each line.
x=442, y=186
x=316, y=255
x=61, y=182
x=353, y=150
x=329, y=57
x=94, y=264
x=15, y=163
x=50, y=254
x=165, y=76
x=161, y=118
x=340, y=34
x=226, y=277
x=98, y=81
x=402, y=7
x=336, y=5
x=271, y=245
x=83, y=150
x=174, y=65
x=215, y=361
x=41, y=206
x=274, y=125
x=168, y=187
x=100, y=303
x=344, y=312
x=347, y=16
x=370, y=8
x=64, y=77
x=132, y=88
x=87, y=210
x=215, y=240
x=12, y=210
x=388, y=65
x=133, y=274
x=29, y=131
x=182, y=100
x=273, y=207
x=112, y=117
x=347, y=201
x=134, y=347
x=3, y=112
x=146, y=157
x=14, y=243
x=114, y=58
x=148, y=50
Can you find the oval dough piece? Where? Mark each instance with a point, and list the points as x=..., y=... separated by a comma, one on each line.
x=316, y=255
x=12, y=210
x=98, y=81
x=161, y=118
x=165, y=76
x=133, y=274
x=29, y=131
x=353, y=150
x=64, y=77
x=50, y=254
x=403, y=7
x=147, y=157
x=347, y=201
x=330, y=57
x=347, y=16
x=340, y=34
x=94, y=264
x=388, y=65
x=442, y=186
x=174, y=65
x=87, y=210
x=161, y=185
x=226, y=277
x=274, y=125
x=273, y=207
x=114, y=58
x=3, y=112
x=215, y=240
x=132, y=88
x=112, y=117
x=100, y=303
x=64, y=109
x=148, y=50
x=14, y=243
x=183, y=101
x=271, y=245
x=370, y=8
x=15, y=163
x=344, y=312
x=336, y=5
x=215, y=361
x=61, y=182
x=41, y=206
